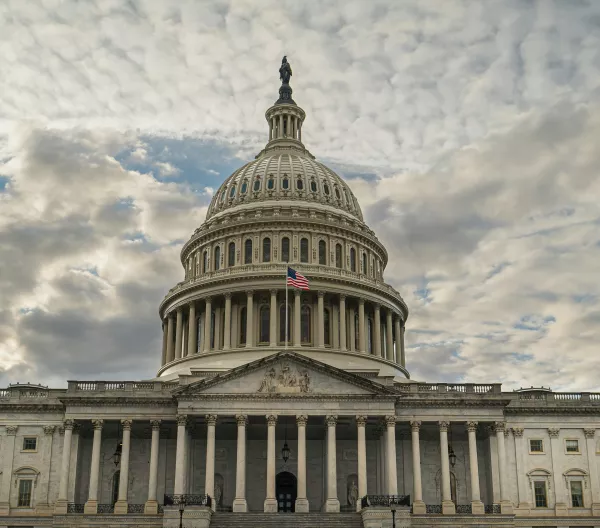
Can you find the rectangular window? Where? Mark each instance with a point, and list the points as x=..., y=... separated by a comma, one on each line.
x=536, y=445
x=572, y=446
x=29, y=443
x=25, y=487
x=576, y=494
x=539, y=489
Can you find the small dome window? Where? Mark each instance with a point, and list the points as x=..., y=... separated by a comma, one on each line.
x=244, y=187
x=256, y=185
x=270, y=183
x=285, y=184
x=299, y=184
x=223, y=196
x=326, y=189
x=232, y=191
x=313, y=186
x=337, y=194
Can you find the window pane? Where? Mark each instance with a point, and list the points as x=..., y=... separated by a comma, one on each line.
x=285, y=249
x=539, y=488
x=256, y=185
x=270, y=184
x=264, y=324
x=299, y=184
x=244, y=187
x=29, y=444
x=304, y=250
x=576, y=494
x=313, y=186
x=25, y=493
x=364, y=263
x=267, y=250
x=536, y=446
x=232, y=191
x=572, y=446
x=285, y=183
x=322, y=252
x=248, y=252
x=231, y=259
x=205, y=262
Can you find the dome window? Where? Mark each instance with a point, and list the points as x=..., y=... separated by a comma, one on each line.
x=244, y=187
x=256, y=185
x=223, y=196
x=232, y=191
x=337, y=194
x=299, y=184
x=326, y=189
x=285, y=184
x=313, y=186
x=270, y=183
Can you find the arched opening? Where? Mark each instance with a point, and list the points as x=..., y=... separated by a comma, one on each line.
x=248, y=251
x=243, y=312
x=286, y=489
x=305, y=325
x=304, y=250
x=264, y=330
x=267, y=250
x=322, y=252
x=217, y=257
x=285, y=249
x=352, y=259
x=364, y=263
x=338, y=255
x=115, y=486
x=231, y=257
x=282, y=323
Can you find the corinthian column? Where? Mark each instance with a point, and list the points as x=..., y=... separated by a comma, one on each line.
x=590, y=443
x=180, y=477
x=273, y=319
x=192, y=347
x=151, y=506
x=121, y=504
x=250, y=319
x=209, y=483
x=389, y=336
x=361, y=423
x=227, y=330
x=342, y=322
x=296, y=318
x=239, y=503
x=301, y=500
x=164, y=343
x=91, y=506
x=418, y=504
x=505, y=504
x=448, y=506
x=179, y=333
x=377, y=330
x=392, y=477
x=207, y=324
x=8, y=446
x=333, y=503
x=560, y=503
x=60, y=507
x=170, y=343
x=321, y=318
x=476, y=504
x=271, y=501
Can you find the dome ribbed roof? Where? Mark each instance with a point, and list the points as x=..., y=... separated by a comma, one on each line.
x=278, y=175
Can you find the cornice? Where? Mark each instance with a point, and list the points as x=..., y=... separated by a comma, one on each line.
x=409, y=402
x=532, y=411
x=290, y=397
x=31, y=407
x=112, y=401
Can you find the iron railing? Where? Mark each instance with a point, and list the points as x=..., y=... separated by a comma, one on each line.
x=75, y=508
x=464, y=508
x=188, y=500
x=385, y=500
x=433, y=508
x=492, y=508
x=135, y=508
x=106, y=508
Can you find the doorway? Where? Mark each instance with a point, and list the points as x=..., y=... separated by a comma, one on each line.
x=286, y=489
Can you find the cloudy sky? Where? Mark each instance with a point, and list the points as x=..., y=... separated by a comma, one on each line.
x=469, y=132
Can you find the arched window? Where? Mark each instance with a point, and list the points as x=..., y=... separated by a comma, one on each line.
x=205, y=262
x=232, y=191
x=326, y=327
x=304, y=250
x=372, y=267
x=248, y=251
x=231, y=259
x=243, y=326
x=217, y=257
x=299, y=184
x=322, y=252
x=264, y=333
x=267, y=250
x=115, y=486
x=352, y=259
x=285, y=184
x=326, y=189
x=338, y=255
x=270, y=183
x=337, y=194
x=364, y=263
x=256, y=186
x=244, y=188
x=285, y=249
x=223, y=196
x=282, y=323
x=313, y=186
x=305, y=325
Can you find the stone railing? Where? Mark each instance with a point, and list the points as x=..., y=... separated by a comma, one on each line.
x=450, y=388
x=560, y=397
x=31, y=394
x=114, y=386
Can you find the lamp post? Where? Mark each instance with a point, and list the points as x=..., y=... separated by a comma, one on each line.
x=393, y=508
x=181, y=510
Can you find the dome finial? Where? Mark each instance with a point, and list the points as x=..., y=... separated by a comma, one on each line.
x=285, y=91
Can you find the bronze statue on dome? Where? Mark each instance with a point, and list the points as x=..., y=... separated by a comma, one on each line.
x=285, y=71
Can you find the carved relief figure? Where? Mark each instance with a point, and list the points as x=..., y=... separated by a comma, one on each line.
x=304, y=382
x=268, y=382
x=286, y=381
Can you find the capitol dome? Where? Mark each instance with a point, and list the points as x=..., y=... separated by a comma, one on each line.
x=283, y=209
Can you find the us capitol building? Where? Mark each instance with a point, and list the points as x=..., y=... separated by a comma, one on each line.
x=240, y=428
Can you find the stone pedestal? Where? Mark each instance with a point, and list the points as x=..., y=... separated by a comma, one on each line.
x=240, y=505
x=560, y=510
x=193, y=517
x=91, y=507
x=151, y=507
x=332, y=506
x=448, y=507
x=477, y=507
x=121, y=507
x=302, y=506
x=374, y=517
x=60, y=507
x=507, y=508
x=270, y=506
x=419, y=508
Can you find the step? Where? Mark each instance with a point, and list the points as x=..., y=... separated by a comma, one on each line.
x=286, y=520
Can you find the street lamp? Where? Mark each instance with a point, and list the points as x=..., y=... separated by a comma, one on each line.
x=181, y=510
x=393, y=508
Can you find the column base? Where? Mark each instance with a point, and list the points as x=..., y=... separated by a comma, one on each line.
x=60, y=507
x=595, y=509
x=91, y=507
x=332, y=506
x=448, y=507
x=419, y=508
x=477, y=507
x=507, y=508
x=4, y=508
x=151, y=507
x=270, y=506
x=240, y=505
x=301, y=506
x=560, y=509
x=121, y=507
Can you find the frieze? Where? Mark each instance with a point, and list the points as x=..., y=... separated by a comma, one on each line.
x=285, y=380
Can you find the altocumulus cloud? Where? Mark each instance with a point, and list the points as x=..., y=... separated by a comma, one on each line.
x=467, y=129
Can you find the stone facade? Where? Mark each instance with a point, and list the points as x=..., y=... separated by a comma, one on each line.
x=241, y=419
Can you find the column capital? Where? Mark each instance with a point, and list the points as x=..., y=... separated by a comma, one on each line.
x=342, y=297
x=444, y=426
x=179, y=310
x=211, y=419
x=249, y=293
x=518, y=431
x=301, y=420
x=361, y=301
x=361, y=420
x=271, y=420
x=11, y=430
x=415, y=425
x=208, y=299
x=553, y=432
x=155, y=424
x=126, y=424
x=69, y=424
x=297, y=293
x=228, y=295
x=49, y=429
x=331, y=420
x=589, y=433
x=390, y=420
x=241, y=419
x=97, y=424
x=377, y=307
x=321, y=294
x=191, y=303
x=472, y=426
x=499, y=426
x=273, y=292
x=181, y=419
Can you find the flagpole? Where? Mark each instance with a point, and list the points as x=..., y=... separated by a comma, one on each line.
x=286, y=307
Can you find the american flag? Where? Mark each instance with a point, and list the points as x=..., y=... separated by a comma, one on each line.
x=297, y=280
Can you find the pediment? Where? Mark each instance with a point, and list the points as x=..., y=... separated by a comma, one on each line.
x=286, y=374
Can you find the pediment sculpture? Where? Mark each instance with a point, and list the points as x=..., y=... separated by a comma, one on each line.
x=285, y=380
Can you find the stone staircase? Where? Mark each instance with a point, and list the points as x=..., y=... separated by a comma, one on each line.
x=286, y=520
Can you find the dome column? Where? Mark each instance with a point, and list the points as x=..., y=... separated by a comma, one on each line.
x=207, y=324
x=399, y=342
x=361, y=327
x=296, y=318
x=321, y=320
x=342, y=322
x=273, y=319
x=389, y=336
x=179, y=333
x=192, y=329
x=250, y=319
x=165, y=342
x=170, y=340
x=227, y=332
x=377, y=330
